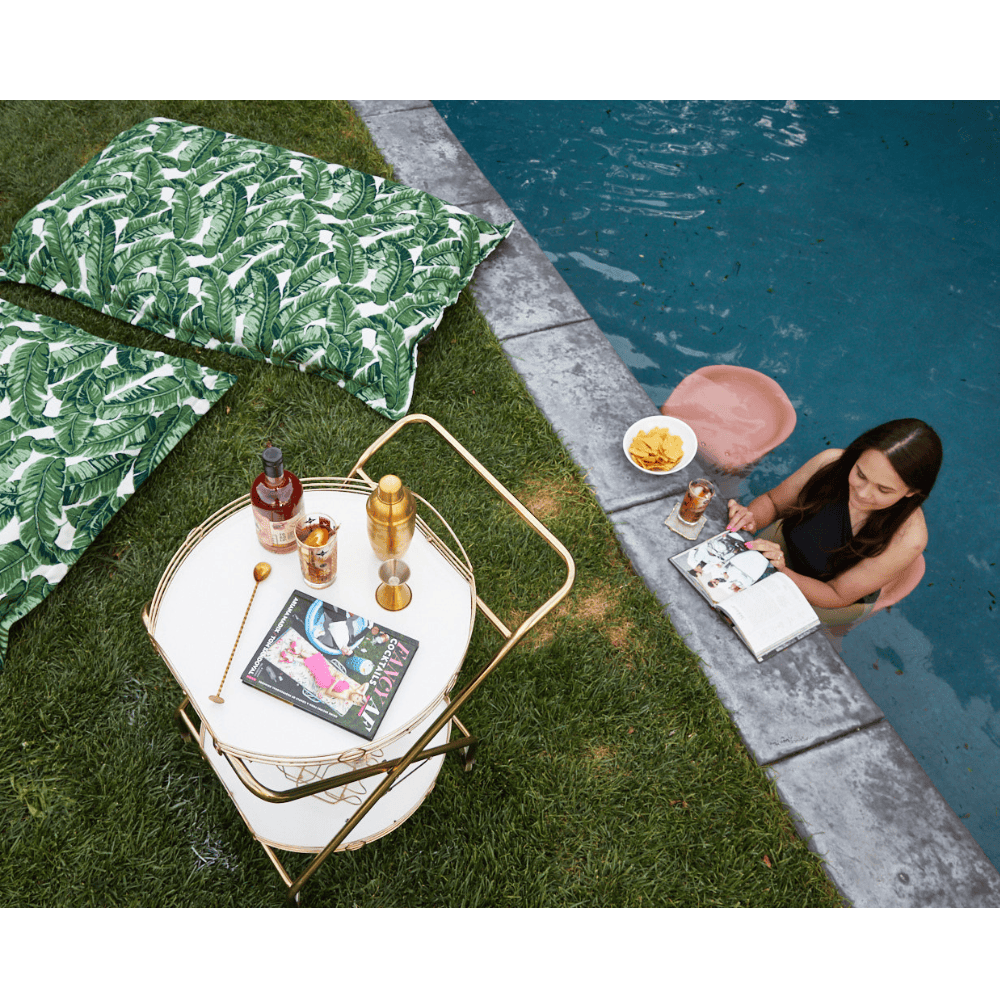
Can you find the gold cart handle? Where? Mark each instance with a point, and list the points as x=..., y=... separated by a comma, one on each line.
x=511, y=639
x=519, y=509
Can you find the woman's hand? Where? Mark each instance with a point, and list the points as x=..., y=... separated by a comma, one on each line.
x=740, y=518
x=770, y=550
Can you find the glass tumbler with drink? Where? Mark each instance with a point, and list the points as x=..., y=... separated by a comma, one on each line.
x=698, y=496
x=316, y=537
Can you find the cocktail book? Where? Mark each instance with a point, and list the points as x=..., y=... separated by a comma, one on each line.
x=765, y=609
x=335, y=664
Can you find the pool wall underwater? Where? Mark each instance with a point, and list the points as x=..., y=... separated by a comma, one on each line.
x=886, y=835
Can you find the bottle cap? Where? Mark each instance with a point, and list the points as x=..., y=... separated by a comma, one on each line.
x=390, y=489
x=274, y=465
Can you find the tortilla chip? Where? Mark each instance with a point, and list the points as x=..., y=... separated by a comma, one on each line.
x=657, y=450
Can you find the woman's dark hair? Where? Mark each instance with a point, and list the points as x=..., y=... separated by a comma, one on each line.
x=914, y=451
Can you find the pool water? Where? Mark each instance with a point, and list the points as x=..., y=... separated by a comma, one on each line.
x=851, y=251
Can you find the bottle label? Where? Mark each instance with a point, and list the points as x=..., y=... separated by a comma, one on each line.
x=276, y=533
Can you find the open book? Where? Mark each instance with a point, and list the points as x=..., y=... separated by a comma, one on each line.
x=766, y=610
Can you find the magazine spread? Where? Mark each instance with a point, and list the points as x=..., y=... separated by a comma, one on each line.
x=767, y=611
x=332, y=663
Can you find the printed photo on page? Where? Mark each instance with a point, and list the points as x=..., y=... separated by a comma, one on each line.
x=723, y=566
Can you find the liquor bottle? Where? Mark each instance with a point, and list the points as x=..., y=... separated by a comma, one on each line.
x=276, y=498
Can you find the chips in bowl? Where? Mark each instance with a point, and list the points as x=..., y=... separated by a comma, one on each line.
x=656, y=450
x=660, y=445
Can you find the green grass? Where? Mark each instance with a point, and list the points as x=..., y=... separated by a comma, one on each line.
x=609, y=774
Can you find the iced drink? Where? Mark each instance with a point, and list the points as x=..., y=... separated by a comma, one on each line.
x=699, y=493
x=316, y=537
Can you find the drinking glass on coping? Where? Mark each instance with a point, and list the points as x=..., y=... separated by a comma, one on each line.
x=699, y=495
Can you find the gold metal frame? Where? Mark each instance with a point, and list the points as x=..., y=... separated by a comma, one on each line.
x=466, y=744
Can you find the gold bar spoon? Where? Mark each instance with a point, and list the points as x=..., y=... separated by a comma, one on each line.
x=260, y=572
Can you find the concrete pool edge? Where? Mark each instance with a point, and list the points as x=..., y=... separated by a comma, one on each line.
x=856, y=793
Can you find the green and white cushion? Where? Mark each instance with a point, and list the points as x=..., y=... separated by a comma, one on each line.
x=255, y=250
x=83, y=422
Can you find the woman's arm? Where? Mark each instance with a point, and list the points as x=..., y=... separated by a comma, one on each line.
x=769, y=506
x=763, y=510
x=875, y=573
x=817, y=593
x=865, y=578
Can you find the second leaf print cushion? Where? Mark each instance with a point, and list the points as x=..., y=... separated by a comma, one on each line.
x=255, y=250
x=83, y=422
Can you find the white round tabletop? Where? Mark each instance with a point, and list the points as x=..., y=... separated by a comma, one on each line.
x=200, y=611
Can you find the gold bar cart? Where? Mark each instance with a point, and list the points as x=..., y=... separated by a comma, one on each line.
x=296, y=779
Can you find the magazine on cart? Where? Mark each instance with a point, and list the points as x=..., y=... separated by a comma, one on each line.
x=335, y=664
x=765, y=609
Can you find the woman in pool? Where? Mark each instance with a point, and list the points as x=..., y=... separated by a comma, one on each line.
x=849, y=521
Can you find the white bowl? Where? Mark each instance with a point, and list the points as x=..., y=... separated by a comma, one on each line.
x=675, y=426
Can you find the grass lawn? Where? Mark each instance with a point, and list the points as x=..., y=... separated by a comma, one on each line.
x=609, y=774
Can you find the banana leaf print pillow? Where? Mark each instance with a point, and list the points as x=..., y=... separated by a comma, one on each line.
x=83, y=422
x=255, y=250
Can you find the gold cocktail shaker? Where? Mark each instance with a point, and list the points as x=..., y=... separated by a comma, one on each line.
x=392, y=515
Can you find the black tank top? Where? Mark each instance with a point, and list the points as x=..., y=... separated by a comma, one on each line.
x=810, y=543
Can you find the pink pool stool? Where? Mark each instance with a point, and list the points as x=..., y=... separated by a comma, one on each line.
x=739, y=414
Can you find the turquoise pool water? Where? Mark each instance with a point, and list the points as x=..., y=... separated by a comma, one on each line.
x=851, y=250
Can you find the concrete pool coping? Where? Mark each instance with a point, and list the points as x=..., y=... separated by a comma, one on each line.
x=857, y=795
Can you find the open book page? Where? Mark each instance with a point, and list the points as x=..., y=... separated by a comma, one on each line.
x=773, y=611
x=723, y=566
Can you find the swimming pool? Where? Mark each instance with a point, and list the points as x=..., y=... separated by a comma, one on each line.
x=850, y=251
